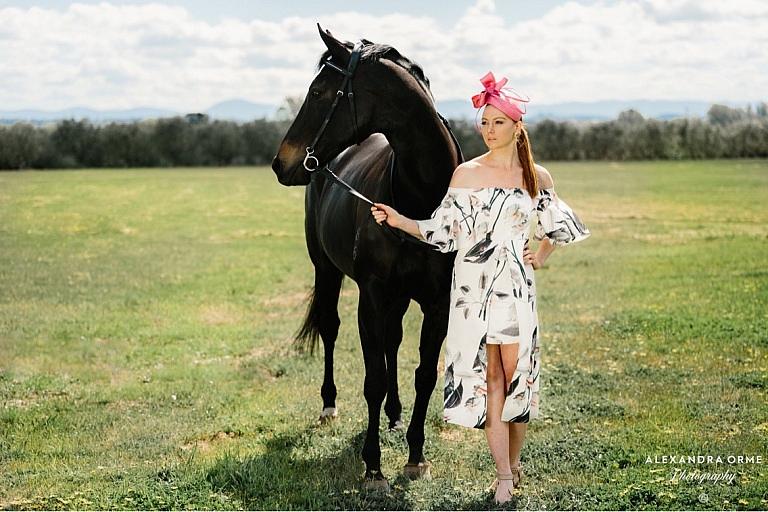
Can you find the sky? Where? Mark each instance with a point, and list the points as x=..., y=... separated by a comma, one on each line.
x=189, y=55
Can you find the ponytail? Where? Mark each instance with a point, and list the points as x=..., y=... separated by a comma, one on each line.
x=525, y=154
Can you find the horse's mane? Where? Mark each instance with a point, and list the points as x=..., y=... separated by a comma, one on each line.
x=374, y=51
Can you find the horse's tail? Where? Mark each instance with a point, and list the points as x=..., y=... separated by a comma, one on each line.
x=322, y=316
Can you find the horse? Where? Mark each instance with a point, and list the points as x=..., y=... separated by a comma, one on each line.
x=388, y=142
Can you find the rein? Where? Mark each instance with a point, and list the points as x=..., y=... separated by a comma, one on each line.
x=312, y=164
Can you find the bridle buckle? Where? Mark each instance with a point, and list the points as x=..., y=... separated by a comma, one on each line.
x=310, y=157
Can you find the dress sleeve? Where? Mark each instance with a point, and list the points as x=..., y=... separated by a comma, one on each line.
x=557, y=221
x=442, y=228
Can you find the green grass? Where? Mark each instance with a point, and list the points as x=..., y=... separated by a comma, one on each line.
x=145, y=357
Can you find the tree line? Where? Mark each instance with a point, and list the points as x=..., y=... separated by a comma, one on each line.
x=194, y=140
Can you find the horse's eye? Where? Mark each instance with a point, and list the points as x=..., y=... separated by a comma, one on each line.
x=315, y=94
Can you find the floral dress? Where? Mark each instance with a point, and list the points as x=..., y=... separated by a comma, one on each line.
x=493, y=292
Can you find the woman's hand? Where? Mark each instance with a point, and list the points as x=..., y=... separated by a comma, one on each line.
x=530, y=258
x=382, y=212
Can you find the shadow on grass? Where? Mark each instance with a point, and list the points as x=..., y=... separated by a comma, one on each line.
x=294, y=473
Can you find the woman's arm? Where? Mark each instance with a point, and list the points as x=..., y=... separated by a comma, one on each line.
x=538, y=259
x=382, y=212
x=545, y=246
x=545, y=249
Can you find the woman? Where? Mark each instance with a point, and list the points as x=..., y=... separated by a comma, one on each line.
x=492, y=350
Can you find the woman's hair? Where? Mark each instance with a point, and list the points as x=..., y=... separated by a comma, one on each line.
x=525, y=154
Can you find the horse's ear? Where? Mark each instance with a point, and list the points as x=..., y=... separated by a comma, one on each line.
x=339, y=51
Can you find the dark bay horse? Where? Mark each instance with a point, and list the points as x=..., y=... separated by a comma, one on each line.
x=365, y=107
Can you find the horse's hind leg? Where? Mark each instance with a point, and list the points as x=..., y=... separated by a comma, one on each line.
x=322, y=321
x=394, y=336
x=433, y=331
x=327, y=289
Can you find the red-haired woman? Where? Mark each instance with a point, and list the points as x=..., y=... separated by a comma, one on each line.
x=492, y=353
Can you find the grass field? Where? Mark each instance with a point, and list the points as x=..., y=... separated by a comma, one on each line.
x=145, y=357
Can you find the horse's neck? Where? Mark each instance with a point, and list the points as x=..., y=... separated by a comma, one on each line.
x=425, y=159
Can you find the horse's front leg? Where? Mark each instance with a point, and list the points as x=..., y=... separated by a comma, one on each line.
x=371, y=317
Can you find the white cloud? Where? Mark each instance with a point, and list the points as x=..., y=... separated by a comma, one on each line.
x=687, y=10
x=120, y=56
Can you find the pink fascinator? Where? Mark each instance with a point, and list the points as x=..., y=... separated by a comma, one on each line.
x=503, y=98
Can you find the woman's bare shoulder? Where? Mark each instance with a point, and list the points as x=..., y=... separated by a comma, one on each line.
x=545, y=179
x=465, y=174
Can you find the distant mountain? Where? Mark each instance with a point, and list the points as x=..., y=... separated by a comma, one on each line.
x=592, y=111
x=97, y=116
x=604, y=110
x=242, y=110
x=235, y=110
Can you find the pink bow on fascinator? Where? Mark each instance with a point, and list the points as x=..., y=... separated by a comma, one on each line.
x=496, y=94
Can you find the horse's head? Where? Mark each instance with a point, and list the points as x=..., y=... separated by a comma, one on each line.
x=314, y=138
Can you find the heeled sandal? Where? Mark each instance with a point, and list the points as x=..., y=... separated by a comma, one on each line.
x=517, y=471
x=515, y=474
x=503, y=477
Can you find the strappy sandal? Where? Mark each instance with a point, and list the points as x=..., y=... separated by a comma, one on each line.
x=517, y=473
x=503, y=477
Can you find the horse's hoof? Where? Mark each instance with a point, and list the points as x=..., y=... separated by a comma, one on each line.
x=328, y=415
x=376, y=483
x=418, y=471
x=397, y=426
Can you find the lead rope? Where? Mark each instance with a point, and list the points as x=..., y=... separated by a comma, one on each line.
x=399, y=234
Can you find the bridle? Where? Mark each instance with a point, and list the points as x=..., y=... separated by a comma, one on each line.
x=312, y=164
x=345, y=89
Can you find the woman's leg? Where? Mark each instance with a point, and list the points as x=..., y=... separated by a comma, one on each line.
x=509, y=353
x=497, y=432
x=516, y=438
